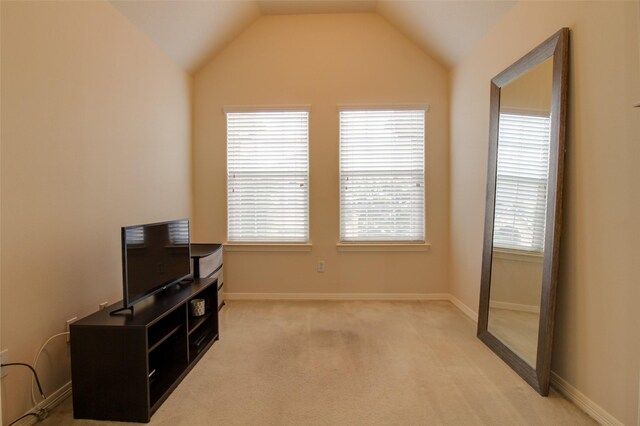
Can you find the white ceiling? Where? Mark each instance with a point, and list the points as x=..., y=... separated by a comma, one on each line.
x=192, y=31
x=446, y=30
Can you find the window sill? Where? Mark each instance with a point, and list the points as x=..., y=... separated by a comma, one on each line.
x=273, y=247
x=518, y=256
x=382, y=247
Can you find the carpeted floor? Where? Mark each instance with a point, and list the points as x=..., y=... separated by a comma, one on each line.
x=351, y=363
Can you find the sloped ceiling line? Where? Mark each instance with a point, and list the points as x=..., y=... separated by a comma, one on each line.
x=192, y=32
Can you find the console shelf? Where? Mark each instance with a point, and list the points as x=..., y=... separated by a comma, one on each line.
x=198, y=322
x=123, y=367
x=171, y=333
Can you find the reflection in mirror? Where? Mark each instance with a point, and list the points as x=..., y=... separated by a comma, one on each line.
x=522, y=222
x=520, y=208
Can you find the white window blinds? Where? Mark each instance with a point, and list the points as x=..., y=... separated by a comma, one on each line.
x=382, y=175
x=268, y=176
x=521, y=182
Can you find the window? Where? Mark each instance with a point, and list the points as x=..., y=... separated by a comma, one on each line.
x=521, y=181
x=382, y=176
x=268, y=176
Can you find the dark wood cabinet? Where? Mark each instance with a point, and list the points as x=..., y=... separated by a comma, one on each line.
x=123, y=367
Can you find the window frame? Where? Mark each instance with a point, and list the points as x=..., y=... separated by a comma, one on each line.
x=267, y=245
x=538, y=235
x=396, y=245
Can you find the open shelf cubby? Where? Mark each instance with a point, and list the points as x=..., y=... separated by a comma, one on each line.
x=203, y=329
x=164, y=328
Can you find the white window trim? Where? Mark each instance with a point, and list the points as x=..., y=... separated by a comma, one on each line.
x=383, y=247
x=518, y=255
x=266, y=108
x=384, y=107
x=265, y=247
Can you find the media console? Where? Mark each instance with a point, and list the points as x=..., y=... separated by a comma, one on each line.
x=123, y=367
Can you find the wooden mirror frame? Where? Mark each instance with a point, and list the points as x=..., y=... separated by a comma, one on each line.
x=557, y=46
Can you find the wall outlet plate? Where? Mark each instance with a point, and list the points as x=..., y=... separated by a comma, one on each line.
x=321, y=266
x=4, y=358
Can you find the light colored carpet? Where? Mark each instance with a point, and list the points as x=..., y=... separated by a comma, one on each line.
x=351, y=363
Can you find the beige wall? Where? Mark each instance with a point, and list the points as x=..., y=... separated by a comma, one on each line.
x=95, y=135
x=516, y=279
x=597, y=347
x=530, y=92
x=324, y=61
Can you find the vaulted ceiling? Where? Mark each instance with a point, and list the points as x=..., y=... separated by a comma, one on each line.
x=191, y=32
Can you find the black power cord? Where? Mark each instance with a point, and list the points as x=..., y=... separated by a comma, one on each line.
x=32, y=369
x=35, y=374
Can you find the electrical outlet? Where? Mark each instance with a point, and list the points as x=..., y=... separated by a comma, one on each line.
x=69, y=322
x=4, y=359
x=321, y=265
x=103, y=305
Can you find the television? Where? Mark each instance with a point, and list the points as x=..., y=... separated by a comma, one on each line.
x=154, y=257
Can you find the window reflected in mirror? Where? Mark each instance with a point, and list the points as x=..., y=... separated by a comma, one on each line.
x=520, y=210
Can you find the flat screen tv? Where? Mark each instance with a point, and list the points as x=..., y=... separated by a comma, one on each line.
x=154, y=257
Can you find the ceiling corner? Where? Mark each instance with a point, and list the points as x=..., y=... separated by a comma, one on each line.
x=447, y=31
x=190, y=32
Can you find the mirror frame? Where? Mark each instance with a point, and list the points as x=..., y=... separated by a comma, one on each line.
x=557, y=46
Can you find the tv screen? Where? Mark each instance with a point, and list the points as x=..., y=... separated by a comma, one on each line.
x=154, y=256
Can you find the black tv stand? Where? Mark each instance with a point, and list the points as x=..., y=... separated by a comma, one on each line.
x=123, y=367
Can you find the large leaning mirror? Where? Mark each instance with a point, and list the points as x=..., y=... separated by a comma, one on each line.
x=523, y=213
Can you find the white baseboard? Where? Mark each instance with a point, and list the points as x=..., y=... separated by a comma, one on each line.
x=598, y=413
x=48, y=404
x=515, y=307
x=558, y=383
x=336, y=296
x=473, y=315
x=356, y=296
